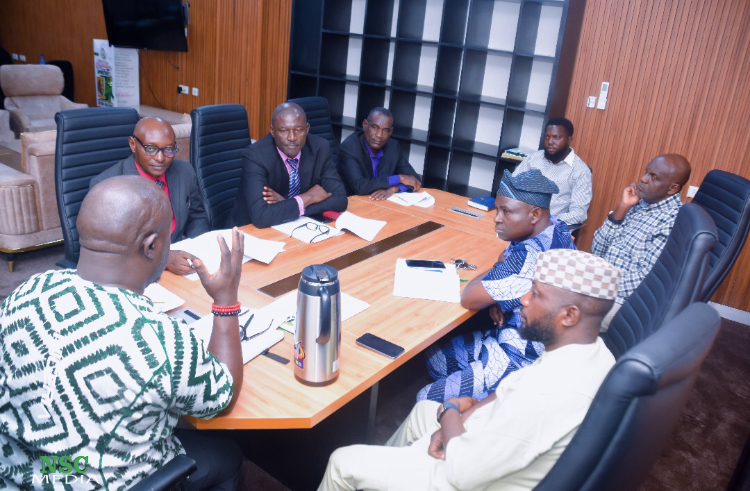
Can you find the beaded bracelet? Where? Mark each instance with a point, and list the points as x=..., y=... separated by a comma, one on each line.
x=225, y=310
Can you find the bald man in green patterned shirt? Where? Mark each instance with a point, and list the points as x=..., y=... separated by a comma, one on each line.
x=91, y=371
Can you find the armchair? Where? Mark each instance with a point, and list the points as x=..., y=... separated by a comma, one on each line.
x=29, y=218
x=32, y=95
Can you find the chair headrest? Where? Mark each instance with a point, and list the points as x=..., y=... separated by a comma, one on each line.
x=26, y=80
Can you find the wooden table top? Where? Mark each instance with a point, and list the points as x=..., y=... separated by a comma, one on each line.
x=440, y=213
x=271, y=397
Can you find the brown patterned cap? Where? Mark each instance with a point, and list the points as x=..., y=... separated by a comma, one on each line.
x=578, y=272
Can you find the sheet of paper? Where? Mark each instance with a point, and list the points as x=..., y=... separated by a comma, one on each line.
x=264, y=332
x=259, y=249
x=162, y=298
x=443, y=285
x=363, y=227
x=422, y=199
x=308, y=230
x=285, y=309
x=206, y=248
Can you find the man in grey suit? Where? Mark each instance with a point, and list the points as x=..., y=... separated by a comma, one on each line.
x=154, y=147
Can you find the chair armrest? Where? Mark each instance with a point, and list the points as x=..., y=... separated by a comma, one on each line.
x=39, y=163
x=173, y=472
x=18, y=121
x=17, y=202
x=66, y=104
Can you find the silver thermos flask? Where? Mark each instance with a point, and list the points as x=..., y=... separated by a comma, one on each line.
x=317, y=338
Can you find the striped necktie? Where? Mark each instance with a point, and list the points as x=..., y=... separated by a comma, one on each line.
x=160, y=184
x=294, y=185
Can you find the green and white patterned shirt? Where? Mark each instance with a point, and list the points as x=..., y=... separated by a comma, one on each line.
x=99, y=372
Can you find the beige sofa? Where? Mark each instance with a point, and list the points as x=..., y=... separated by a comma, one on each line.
x=33, y=96
x=28, y=203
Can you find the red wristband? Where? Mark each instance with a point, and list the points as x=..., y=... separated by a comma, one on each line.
x=224, y=309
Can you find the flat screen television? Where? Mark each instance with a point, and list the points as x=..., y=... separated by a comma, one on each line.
x=145, y=24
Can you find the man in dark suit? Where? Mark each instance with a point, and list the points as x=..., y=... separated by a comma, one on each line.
x=370, y=163
x=287, y=174
x=154, y=147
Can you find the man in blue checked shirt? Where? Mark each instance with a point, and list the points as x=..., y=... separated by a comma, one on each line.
x=473, y=364
x=634, y=234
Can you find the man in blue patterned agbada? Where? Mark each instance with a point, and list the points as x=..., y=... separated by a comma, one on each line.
x=473, y=364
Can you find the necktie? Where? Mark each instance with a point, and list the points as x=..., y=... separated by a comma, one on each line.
x=294, y=185
x=160, y=184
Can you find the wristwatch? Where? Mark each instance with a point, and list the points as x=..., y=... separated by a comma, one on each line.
x=444, y=407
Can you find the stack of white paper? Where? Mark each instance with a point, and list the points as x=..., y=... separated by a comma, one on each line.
x=162, y=298
x=262, y=331
x=422, y=199
x=308, y=230
x=363, y=227
x=427, y=283
x=206, y=248
x=285, y=309
x=265, y=327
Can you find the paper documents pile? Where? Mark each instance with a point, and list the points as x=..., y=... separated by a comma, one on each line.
x=422, y=200
x=206, y=248
x=427, y=283
x=308, y=230
x=262, y=332
x=362, y=227
x=265, y=328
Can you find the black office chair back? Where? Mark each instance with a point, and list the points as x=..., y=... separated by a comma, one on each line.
x=675, y=281
x=220, y=133
x=168, y=477
x=319, y=117
x=636, y=408
x=66, y=68
x=89, y=141
x=726, y=197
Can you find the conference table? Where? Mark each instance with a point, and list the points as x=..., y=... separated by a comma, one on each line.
x=271, y=396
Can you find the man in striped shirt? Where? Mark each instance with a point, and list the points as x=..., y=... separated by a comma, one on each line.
x=560, y=164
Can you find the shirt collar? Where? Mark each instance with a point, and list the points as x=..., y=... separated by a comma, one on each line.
x=148, y=176
x=285, y=156
x=667, y=203
x=570, y=158
x=369, y=150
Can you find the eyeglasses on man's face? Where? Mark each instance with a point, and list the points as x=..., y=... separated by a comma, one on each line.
x=319, y=227
x=152, y=150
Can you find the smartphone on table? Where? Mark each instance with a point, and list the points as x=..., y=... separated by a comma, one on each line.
x=380, y=345
x=419, y=263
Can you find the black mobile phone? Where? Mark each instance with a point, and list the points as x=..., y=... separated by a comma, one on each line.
x=380, y=345
x=418, y=263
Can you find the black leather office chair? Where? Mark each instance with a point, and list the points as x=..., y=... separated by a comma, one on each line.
x=319, y=117
x=168, y=477
x=726, y=197
x=636, y=408
x=69, y=82
x=89, y=141
x=675, y=281
x=220, y=133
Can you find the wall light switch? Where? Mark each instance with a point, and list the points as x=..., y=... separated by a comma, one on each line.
x=691, y=191
x=603, y=96
x=195, y=91
x=591, y=102
x=15, y=56
x=22, y=57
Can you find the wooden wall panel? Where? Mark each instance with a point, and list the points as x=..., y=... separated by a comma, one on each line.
x=238, y=52
x=60, y=30
x=678, y=73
